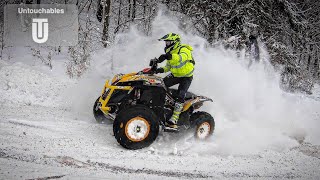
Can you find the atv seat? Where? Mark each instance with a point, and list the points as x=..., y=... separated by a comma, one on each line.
x=189, y=95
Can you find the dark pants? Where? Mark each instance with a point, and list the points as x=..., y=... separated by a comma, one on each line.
x=184, y=84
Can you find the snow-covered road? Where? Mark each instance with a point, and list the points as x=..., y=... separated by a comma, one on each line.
x=39, y=142
x=47, y=140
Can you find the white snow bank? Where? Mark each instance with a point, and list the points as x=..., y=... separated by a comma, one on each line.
x=21, y=84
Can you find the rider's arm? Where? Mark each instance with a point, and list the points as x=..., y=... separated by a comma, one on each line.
x=167, y=67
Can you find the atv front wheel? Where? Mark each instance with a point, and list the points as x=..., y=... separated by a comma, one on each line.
x=203, y=124
x=136, y=127
x=98, y=114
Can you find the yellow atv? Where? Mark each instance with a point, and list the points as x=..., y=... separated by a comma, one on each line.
x=139, y=104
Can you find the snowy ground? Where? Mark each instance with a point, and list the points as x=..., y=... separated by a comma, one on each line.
x=42, y=136
x=39, y=142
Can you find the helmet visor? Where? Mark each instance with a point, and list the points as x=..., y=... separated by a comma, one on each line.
x=168, y=43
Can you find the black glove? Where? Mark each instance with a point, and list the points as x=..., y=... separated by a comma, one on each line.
x=164, y=57
x=152, y=62
x=159, y=70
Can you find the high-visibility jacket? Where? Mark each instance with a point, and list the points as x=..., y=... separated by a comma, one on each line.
x=181, y=64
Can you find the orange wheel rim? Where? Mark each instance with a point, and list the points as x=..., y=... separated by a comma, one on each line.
x=203, y=131
x=137, y=129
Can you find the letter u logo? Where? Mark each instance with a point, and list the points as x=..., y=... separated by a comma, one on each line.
x=40, y=30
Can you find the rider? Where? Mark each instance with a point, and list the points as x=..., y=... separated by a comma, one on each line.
x=181, y=65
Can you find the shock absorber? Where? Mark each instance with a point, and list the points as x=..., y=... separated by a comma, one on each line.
x=137, y=94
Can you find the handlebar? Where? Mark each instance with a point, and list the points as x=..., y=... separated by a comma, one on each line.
x=153, y=64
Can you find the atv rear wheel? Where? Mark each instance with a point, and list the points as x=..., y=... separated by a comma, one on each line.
x=136, y=127
x=203, y=124
x=98, y=114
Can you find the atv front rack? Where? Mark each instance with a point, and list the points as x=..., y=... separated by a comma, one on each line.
x=108, y=91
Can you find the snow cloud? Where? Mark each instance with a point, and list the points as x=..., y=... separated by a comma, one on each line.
x=252, y=113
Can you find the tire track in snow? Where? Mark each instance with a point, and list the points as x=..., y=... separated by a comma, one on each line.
x=74, y=163
x=67, y=161
x=177, y=174
x=50, y=177
x=27, y=125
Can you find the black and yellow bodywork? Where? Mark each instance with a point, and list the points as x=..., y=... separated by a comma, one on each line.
x=128, y=85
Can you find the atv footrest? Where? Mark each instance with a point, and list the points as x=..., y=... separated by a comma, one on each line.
x=169, y=129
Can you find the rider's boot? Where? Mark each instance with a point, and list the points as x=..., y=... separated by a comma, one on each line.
x=172, y=122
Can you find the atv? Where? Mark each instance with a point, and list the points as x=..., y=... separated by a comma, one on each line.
x=139, y=104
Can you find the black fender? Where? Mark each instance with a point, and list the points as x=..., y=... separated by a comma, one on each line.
x=195, y=103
